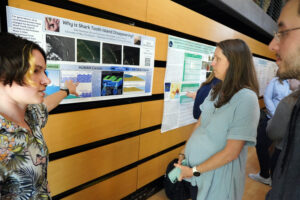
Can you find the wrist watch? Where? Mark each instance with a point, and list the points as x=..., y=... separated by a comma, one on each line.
x=66, y=90
x=196, y=172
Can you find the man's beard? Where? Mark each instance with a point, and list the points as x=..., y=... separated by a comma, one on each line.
x=290, y=67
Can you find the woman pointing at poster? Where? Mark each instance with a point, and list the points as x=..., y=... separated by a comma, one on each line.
x=23, y=113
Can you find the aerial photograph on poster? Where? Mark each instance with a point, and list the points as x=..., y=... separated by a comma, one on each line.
x=111, y=53
x=88, y=51
x=131, y=55
x=60, y=48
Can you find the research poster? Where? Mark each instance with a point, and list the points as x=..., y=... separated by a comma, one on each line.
x=107, y=63
x=188, y=65
x=266, y=71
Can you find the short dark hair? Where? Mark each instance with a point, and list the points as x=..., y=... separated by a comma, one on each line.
x=15, y=54
x=240, y=74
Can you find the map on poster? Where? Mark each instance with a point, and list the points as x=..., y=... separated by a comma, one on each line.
x=108, y=63
x=265, y=71
x=188, y=65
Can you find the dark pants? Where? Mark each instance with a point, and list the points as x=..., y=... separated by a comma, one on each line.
x=193, y=192
x=262, y=146
x=274, y=159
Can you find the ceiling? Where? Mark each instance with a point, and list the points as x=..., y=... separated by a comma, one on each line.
x=243, y=16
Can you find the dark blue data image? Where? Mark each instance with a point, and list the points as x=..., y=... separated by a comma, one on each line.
x=167, y=87
x=112, y=83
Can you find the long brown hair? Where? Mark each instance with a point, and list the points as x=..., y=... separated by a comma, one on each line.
x=240, y=74
x=209, y=79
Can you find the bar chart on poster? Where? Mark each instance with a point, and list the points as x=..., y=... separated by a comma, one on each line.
x=107, y=63
x=188, y=65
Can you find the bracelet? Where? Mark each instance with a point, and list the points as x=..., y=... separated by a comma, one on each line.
x=66, y=90
x=182, y=154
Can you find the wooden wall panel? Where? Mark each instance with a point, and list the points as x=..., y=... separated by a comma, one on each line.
x=155, y=141
x=50, y=10
x=158, y=80
x=71, y=129
x=151, y=113
x=185, y=20
x=155, y=168
x=198, y=25
x=72, y=171
x=128, y=8
x=114, y=188
x=161, y=44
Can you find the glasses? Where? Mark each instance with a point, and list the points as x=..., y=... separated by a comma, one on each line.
x=278, y=35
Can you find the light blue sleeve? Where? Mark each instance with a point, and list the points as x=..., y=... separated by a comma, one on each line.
x=245, y=120
x=268, y=97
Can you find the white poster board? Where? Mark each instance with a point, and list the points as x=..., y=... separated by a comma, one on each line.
x=188, y=63
x=108, y=63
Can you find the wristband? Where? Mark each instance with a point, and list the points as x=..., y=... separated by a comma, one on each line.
x=196, y=172
x=66, y=90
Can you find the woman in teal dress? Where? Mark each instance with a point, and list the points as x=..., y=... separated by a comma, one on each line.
x=216, y=152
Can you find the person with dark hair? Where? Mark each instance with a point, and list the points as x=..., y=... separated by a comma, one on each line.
x=216, y=152
x=276, y=90
x=286, y=45
x=202, y=93
x=23, y=113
